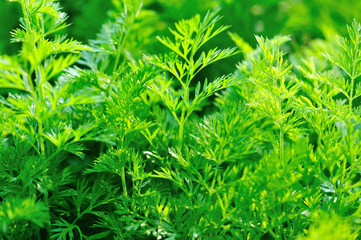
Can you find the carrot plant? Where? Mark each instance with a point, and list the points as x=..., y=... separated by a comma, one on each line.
x=106, y=141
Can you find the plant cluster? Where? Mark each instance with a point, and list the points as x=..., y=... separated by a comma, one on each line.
x=105, y=141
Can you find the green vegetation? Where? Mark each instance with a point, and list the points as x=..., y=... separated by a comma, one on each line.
x=142, y=131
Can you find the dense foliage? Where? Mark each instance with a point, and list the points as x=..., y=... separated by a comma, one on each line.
x=133, y=136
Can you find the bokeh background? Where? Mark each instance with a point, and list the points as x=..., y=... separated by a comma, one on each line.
x=305, y=20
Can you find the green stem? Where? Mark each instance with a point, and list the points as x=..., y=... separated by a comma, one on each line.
x=124, y=184
x=349, y=156
x=274, y=235
x=181, y=132
x=351, y=96
x=282, y=131
x=41, y=139
x=121, y=43
x=38, y=104
x=282, y=150
x=119, y=52
x=186, y=95
x=186, y=112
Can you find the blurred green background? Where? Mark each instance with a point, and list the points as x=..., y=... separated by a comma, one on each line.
x=304, y=20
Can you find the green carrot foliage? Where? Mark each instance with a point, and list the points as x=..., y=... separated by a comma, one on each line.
x=108, y=141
